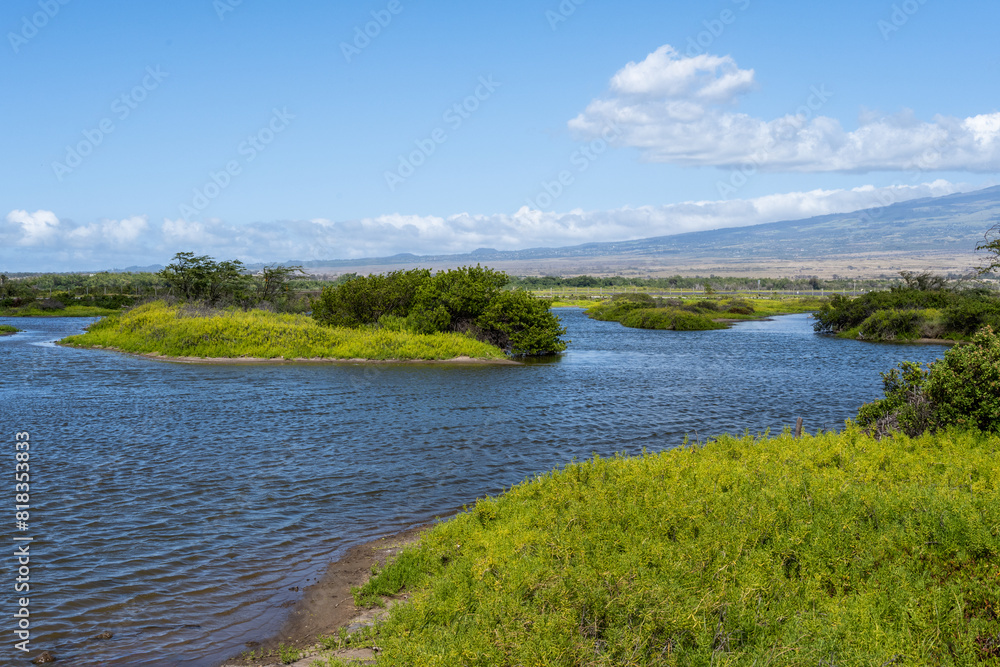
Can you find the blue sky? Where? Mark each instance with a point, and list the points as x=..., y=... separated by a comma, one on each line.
x=308, y=130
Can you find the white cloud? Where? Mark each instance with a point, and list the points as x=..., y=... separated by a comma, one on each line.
x=31, y=229
x=135, y=241
x=680, y=110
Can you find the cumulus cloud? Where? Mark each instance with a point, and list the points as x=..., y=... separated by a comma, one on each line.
x=31, y=229
x=42, y=242
x=681, y=110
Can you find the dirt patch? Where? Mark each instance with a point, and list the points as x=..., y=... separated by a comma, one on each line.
x=328, y=605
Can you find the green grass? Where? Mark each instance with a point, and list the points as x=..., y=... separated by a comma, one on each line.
x=195, y=332
x=833, y=549
x=571, y=303
x=7, y=329
x=69, y=311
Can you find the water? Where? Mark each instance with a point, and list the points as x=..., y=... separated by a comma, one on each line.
x=175, y=505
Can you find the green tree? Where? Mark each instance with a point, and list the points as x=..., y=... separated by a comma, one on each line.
x=990, y=245
x=365, y=300
x=273, y=282
x=200, y=278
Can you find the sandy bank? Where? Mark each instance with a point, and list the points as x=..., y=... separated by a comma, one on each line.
x=328, y=605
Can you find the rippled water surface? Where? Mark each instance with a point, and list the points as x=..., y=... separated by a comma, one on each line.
x=175, y=505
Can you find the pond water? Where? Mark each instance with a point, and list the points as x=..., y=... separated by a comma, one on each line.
x=176, y=505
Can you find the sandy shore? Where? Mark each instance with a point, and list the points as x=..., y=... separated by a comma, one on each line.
x=297, y=360
x=328, y=605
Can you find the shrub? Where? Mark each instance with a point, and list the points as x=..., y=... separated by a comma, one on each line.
x=890, y=325
x=962, y=389
x=520, y=324
x=963, y=312
x=965, y=386
x=669, y=318
x=468, y=300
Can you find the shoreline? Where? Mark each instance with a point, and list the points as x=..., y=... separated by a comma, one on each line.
x=223, y=361
x=327, y=605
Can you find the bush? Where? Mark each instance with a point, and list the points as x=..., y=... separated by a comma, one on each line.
x=891, y=325
x=669, y=318
x=965, y=386
x=467, y=300
x=962, y=390
x=963, y=313
x=520, y=324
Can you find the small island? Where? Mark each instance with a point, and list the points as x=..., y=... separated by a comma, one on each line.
x=643, y=311
x=7, y=330
x=224, y=315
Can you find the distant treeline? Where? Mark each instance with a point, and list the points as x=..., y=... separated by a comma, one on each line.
x=718, y=283
x=86, y=287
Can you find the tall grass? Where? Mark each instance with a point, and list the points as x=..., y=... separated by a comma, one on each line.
x=184, y=331
x=7, y=329
x=834, y=549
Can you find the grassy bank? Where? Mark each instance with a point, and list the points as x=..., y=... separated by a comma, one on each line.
x=178, y=331
x=833, y=549
x=69, y=311
x=641, y=311
x=6, y=330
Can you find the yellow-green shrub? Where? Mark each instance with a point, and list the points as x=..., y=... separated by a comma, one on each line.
x=827, y=549
x=197, y=332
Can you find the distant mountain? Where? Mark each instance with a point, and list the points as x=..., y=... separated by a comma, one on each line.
x=939, y=233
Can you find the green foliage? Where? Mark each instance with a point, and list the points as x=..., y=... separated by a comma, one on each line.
x=200, y=278
x=469, y=300
x=827, y=549
x=909, y=313
x=964, y=387
x=961, y=390
x=668, y=318
x=905, y=407
x=193, y=331
x=7, y=329
x=367, y=299
x=288, y=654
x=891, y=325
x=641, y=311
x=520, y=324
